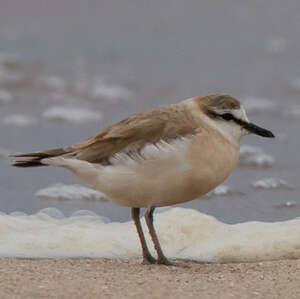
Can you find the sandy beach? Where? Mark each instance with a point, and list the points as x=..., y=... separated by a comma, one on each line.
x=105, y=278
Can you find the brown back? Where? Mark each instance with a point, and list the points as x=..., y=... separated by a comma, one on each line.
x=131, y=134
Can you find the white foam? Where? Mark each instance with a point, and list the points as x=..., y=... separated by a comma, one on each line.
x=184, y=233
x=253, y=156
x=271, y=183
x=5, y=97
x=19, y=120
x=221, y=190
x=17, y=214
x=110, y=92
x=69, y=192
x=257, y=104
x=51, y=212
x=75, y=115
x=286, y=204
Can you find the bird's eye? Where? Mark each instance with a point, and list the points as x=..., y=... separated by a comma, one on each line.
x=227, y=116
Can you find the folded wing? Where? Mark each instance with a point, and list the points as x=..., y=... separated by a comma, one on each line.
x=129, y=135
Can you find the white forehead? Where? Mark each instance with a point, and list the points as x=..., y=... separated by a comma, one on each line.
x=240, y=114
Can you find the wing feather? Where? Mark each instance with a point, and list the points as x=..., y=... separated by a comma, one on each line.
x=133, y=133
x=127, y=136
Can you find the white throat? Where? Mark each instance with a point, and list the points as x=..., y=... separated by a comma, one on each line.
x=231, y=131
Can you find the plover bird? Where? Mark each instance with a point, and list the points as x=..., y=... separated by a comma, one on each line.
x=161, y=157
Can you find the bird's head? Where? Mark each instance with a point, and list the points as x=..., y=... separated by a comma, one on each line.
x=228, y=115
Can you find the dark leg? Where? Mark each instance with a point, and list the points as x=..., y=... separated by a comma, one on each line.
x=147, y=257
x=149, y=220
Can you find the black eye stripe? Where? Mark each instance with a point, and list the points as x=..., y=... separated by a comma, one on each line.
x=227, y=116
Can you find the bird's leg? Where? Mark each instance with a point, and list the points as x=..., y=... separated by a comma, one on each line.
x=149, y=220
x=147, y=257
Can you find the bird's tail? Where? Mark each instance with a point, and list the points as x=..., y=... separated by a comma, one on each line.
x=35, y=159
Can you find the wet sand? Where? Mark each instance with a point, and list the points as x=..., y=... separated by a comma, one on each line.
x=104, y=278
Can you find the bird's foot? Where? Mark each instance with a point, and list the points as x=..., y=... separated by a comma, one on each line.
x=149, y=260
x=162, y=260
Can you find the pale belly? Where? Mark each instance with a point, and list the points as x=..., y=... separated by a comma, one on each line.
x=168, y=178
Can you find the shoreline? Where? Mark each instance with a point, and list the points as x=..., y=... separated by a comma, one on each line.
x=114, y=278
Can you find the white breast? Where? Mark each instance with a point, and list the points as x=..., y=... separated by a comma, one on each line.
x=148, y=178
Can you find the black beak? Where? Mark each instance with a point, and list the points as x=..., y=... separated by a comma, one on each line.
x=258, y=130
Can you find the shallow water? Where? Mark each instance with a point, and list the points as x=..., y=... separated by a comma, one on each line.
x=115, y=58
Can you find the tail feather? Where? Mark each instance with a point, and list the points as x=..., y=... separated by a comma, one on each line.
x=35, y=159
x=28, y=163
